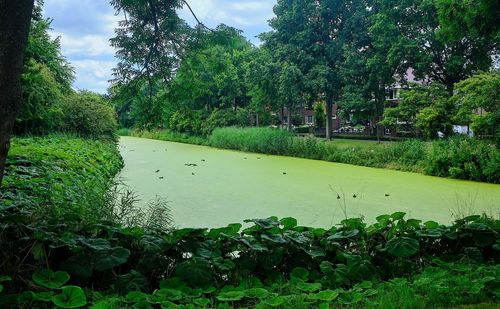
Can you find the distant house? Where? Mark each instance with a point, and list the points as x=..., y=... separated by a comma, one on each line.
x=307, y=118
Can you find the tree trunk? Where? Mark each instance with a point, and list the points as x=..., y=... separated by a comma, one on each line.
x=329, y=122
x=15, y=17
x=257, y=119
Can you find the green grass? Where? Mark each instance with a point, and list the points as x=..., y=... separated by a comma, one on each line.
x=167, y=135
x=59, y=172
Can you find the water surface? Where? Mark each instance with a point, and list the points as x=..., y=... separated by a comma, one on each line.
x=208, y=187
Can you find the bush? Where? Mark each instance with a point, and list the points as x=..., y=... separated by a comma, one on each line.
x=464, y=158
x=88, y=115
x=220, y=118
x=187, y=121
x=40, y=112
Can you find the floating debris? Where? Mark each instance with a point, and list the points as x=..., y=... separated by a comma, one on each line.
x=157, y=171
x=192, y=174
x=190, y=164
x=284, y=173
x=338, y=197
x=161, y=177
x=387, y=195
x=354, y=196
x=202, y=160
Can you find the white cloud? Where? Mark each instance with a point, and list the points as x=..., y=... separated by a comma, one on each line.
x=90, y=44
x=93, y=74
x=252, y=5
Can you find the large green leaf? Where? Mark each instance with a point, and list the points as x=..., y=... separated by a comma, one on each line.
x=326, y=295
x=231, y=230
x=300, y=273
x=71, y=297
x=49, y=279
x=231, y=296
x=115, y=257
x=195, y=272
x=288, y=223
x=308, y=287
x=78, y=266
x=275, y=301
x=360, y=268
x=402, y=246
x=256, y=293
x=266, y=224
x=168, y=294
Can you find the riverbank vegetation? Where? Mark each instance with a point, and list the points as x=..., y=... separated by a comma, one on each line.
x=67, y=243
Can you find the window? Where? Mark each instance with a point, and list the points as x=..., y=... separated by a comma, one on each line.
x=334, y=116
x=285, y=119
x=390, y=94
x=309, y=119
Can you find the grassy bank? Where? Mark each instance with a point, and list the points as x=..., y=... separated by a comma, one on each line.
x=54, y=174
x=459, y=158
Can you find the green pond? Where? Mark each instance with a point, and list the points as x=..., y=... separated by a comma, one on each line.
x=208, y=187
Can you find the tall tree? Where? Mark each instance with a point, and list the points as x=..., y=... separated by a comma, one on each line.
x=15, y=19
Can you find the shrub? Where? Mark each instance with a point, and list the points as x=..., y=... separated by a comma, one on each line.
x=40, y=113
x=464, y=158
x=88, y=115
x=220, y=118
x=187, y=121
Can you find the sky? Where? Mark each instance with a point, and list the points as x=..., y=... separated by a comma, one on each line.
x=85, y=26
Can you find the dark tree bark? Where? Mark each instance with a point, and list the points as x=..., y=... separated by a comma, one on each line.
x=329, y=122
x=15, y=17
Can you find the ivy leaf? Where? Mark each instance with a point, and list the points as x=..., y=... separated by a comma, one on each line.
x=49, y=279
x=402, y=246
x=117, y=256
x=71, y=297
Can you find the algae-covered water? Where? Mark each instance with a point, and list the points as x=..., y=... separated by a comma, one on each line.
x=208, y=187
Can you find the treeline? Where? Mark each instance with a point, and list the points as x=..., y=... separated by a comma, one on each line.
x=49, y=102
x=341, y=52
